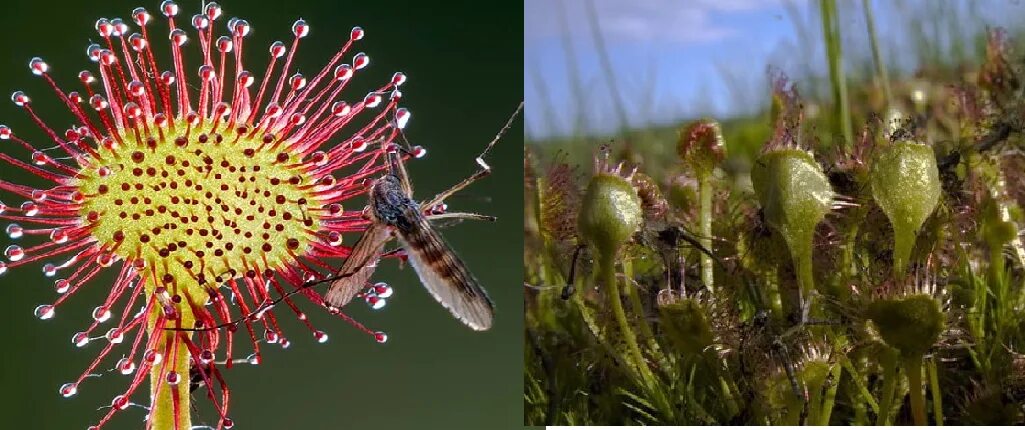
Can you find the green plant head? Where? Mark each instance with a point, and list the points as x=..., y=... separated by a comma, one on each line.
x=909, y=324
x=610, y=213
x=794, y=193
x=906, y=184
x=701, y=146
x=997, y=227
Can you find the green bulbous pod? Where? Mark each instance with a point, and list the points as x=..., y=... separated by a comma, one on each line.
x=795, y=196
x=910, y=324
x=610, y=213
x=906, y=184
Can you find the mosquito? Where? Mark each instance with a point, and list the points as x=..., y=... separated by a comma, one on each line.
x=394, y=214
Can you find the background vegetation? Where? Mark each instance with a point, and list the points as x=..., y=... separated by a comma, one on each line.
x=697, y=318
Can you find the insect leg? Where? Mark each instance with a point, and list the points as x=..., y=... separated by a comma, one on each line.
x=461, y=216
x=438, y=199
x=485, y=169
x=568, y=290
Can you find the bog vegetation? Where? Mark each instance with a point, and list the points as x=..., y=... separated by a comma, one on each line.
x=857, y=263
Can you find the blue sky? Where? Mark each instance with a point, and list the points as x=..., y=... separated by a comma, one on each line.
x=676, y=59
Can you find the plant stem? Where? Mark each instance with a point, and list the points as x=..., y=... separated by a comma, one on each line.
x=831, y=33
x=903, y=242
x=705, y=218
x=860, y=384
x=815, y=403
x=805, y=282
x=913, y=365
x=857, y=215
x=171, y=408
x=889, y=386
x=573, y=73
x=608, y=71
x=607, y=261
x=876, y=57
x=827, y=404
x=934, y=388
x=638, y=307
x=731, y=405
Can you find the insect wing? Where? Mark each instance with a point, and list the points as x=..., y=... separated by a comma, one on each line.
x=445, y=275
x=358, y=267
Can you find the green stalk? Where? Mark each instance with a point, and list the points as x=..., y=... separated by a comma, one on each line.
x=827, y=404
x=934, y=388
x=608, y=71
x=851, y=238
x=913, y=365
x=731, y=404
x=592, y=324
x=889, y=387
x=876, y=58
x=815, y=404
x=638, y=307
x=164, y=415
x=902, y=245
x=831, y=33
x=607, y=262
x=705, y=218
x=773, y=297
x=805, y=282
x=720, y=368
x=860, y=384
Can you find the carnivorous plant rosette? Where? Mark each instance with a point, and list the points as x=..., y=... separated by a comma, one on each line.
x=204, y=186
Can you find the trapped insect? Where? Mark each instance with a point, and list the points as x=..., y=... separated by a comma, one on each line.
x=393, y=212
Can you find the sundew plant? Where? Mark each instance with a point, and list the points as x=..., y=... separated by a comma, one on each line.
x=866, y=266
x=207, y=189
